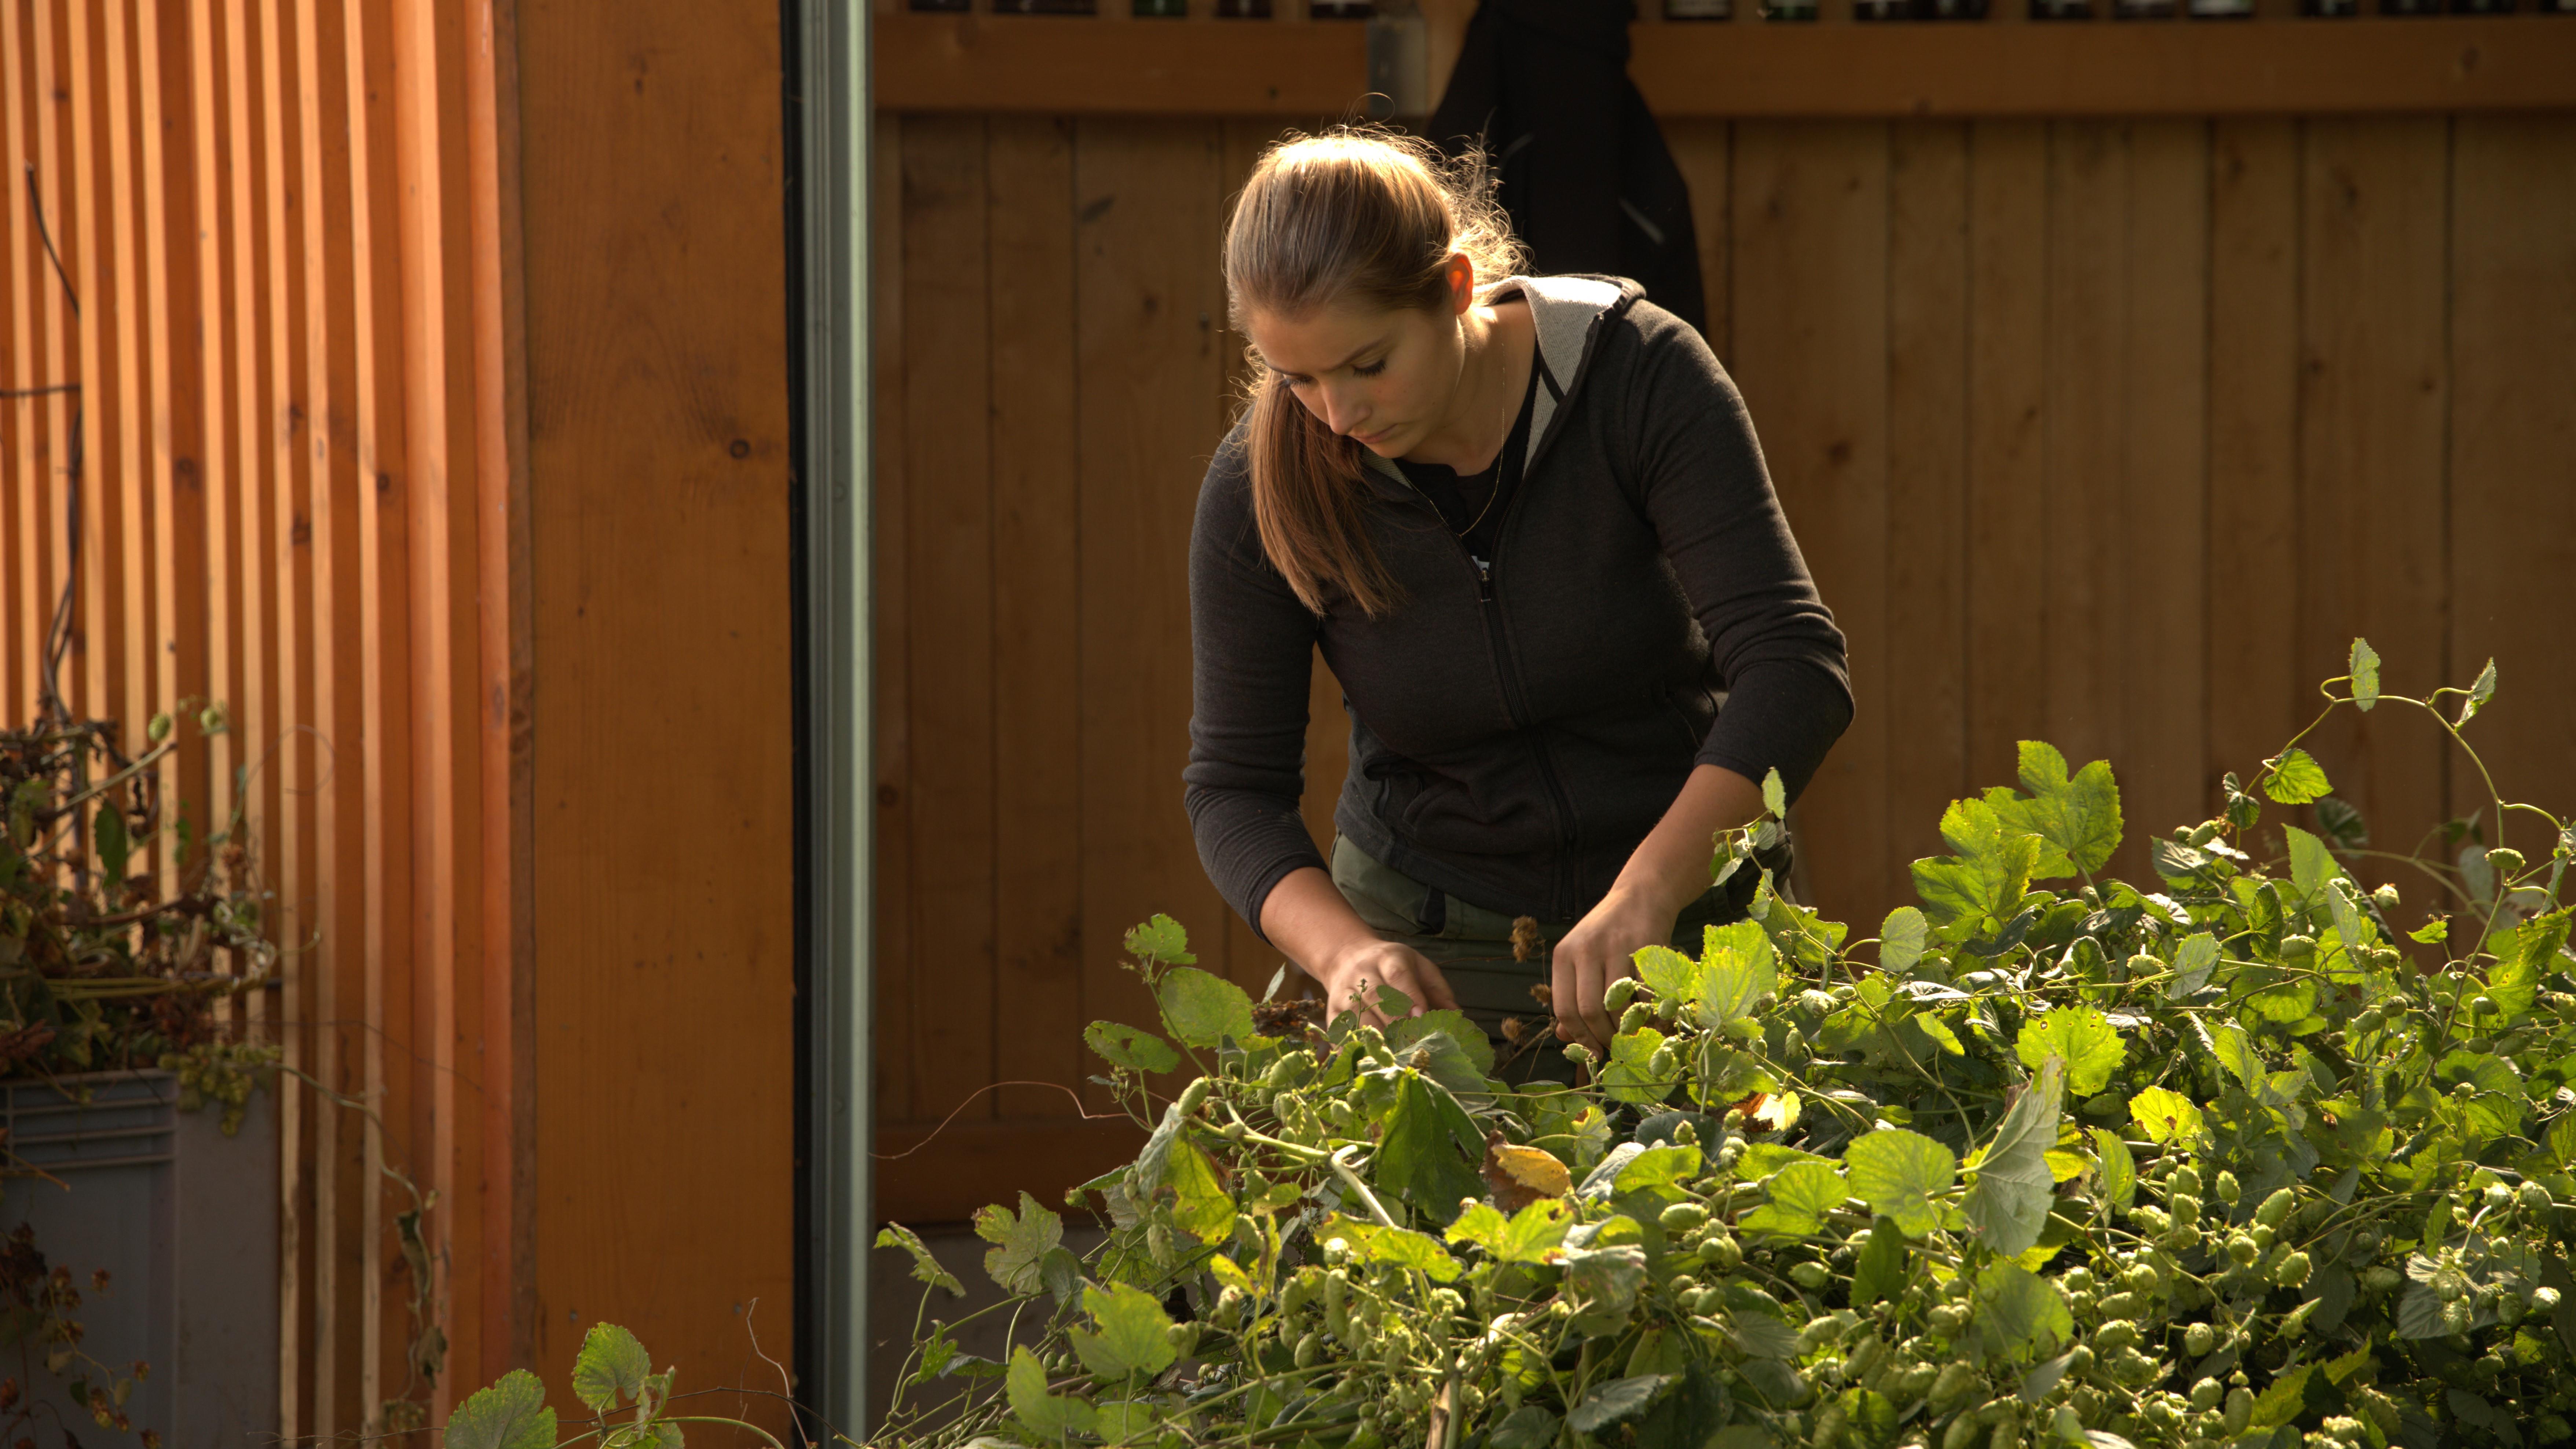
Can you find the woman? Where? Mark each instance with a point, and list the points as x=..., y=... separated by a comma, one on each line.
x=1527, y=522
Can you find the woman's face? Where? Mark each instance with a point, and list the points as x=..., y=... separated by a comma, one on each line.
x=1386, y=380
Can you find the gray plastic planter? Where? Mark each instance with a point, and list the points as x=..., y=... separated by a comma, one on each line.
x=184, y=1219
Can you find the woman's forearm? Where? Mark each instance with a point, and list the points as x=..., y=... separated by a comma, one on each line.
x=1306, y=917
x=1669, y=868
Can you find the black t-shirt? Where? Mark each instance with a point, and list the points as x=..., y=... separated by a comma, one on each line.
x=1472, y=504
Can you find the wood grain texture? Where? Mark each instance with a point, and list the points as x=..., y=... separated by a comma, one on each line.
x=1147, y=199
x=1829, y=70
x=2513, y=455
x=2008, y=204
x=2373, y=464
x=1927, y=490
x=949, y=402
x=657, y=465
x=2086, y=297
x=2161, y=749
x=2255, y=685
x=1811, y=337
x=1037, y=640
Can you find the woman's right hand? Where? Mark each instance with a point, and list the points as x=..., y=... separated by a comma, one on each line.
x=1352, y=976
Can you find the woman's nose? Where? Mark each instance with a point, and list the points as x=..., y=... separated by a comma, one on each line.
x=1342, y=410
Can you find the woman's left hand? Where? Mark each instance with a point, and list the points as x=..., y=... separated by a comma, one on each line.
x=1599, y=950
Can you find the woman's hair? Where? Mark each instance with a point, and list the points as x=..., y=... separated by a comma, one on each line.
x=1361, y=217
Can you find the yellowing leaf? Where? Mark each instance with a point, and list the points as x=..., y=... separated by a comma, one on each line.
x=2166, y=1116
x=1021, y=1243
x=2296, y=778
x=2080, y=1035
x=1520, y=1176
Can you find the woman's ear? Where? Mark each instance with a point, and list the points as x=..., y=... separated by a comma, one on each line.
x=1461, y=270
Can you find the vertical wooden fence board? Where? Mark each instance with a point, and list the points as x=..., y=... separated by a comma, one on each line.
x=1811, y=328
x=17, y=84
x=2372, y=465
x=1927, y=458
x=253, y=704
x=890, y=729
x=130, y=477
x=2513, y=458
x=1247, y=959
x=100, y=632
x=1146, y=199
x=657, y=385
x=171, y=331
x=2256, y=550
x=2084, y=602
x=2161, y=546
x=1704, y=152
x=949, y=398
x=1037, y=624
x=47, y=523
x=2007, y=437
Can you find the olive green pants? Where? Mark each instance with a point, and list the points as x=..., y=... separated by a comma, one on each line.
x=1473, y=949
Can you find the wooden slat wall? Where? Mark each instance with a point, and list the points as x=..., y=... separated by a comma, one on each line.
x=315, y=361
x=267, y=214
x=2111, y=433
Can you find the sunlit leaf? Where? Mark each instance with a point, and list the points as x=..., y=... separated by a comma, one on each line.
x=1051, y=1417
x=1899, y=1173
x=924, y=1266
x=1402, y=1247
x=1801, y=1195
x=2079, y=815
x=2365, y=675
x=2295, y=778
x=2479, y=693
x=1527, y=1236
x=2167, y=1117
x=2193, y=961
x=1900, y=940
x=2020, y=1315
x=511, y=1414
x=1127, y=1338
x=1160, y=940
x=2119, y=1168
x=1203, y=1010
x=1020, y=1242
x=1128, y=1046
x=2008, y=1205
x=610, y=1369
x=2080, y=1036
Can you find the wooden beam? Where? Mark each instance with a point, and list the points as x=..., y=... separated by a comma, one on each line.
x=2259, y=67
x=1067, y=65
x=1060, y=64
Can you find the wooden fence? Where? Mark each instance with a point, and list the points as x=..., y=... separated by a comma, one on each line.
x=340, y=433
x=2106, y=431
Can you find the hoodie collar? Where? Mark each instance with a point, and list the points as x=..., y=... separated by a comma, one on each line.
x=1567, y=311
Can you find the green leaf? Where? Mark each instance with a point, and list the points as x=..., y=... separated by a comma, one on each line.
x=1664, y=1166
x=1047, y=1416
x=2008, y=1205
x=2365, y=675
x=2528, y=952
x=1878, y=1270
x=2295, y=778
x=1984, y=879
x=1202, y=1208
x=1899, y=1173
x=1021, y=1243
x=1130, y=1338
x=1900, y=940
x=1527, y=1427
x=1775, y=796
x=1738, y=967
x=2168, y=1117
x=924, y=1266
x=2279, y=1404
x=1203, y=1010
x=2311, y=863
x=2235, y=1051
x=1128, y=1046
x=1632, y=1075
x=2479, y=693
x=1526, y=1237
x=2119, y=1168
x=1801, y=1194
x=113, y=847
x=2020, y=1315
x=1672, y=976
x=611, y=1368
x=2432, y=933
x=2083, y=1037
x=1619, y=1399
x=2079, y=815
x=1401, y=1247
x=2193, y=960
x=1429, y=1149
x=511, y=1414
x=1160, y=940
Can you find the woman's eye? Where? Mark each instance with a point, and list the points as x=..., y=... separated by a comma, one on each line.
x=1371, y=369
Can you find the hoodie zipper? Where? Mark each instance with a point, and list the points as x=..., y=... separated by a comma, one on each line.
x=1515, y=698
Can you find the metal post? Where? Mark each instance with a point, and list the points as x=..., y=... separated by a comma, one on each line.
x=830, y=72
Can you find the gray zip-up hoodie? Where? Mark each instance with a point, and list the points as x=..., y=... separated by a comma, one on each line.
x=1516, y=731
